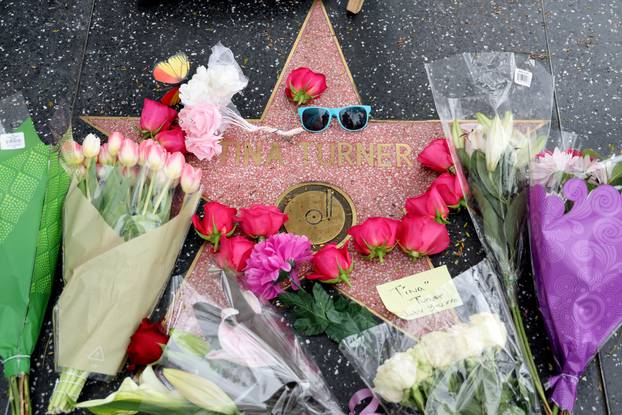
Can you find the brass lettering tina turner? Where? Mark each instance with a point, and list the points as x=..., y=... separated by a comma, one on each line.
x=338, y=154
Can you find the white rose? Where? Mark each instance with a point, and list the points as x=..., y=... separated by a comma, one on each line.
x=438, y=348
x=489, y=329
x=394, y=376
x=467, y=342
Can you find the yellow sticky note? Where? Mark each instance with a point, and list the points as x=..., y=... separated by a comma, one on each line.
x=421, y=294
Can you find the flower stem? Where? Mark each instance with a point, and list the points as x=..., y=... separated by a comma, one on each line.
x=149, y=191
x=67, y=391
x=531, y=365
x=13, y=395
x=161, y=196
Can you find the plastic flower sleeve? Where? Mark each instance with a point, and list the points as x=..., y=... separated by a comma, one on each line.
x=230, y=340
x=473, y=366
x=576, y=248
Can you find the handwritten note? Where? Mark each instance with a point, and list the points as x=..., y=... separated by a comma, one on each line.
x=421, y=294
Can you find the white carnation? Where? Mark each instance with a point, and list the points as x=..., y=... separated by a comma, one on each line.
x=396, y=375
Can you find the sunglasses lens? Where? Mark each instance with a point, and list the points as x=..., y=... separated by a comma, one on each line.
x=353, y=118
x=315, y=119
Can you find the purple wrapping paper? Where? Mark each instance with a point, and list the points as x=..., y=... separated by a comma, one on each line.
x=577, y=259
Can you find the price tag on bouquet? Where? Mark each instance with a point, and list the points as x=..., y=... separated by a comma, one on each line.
x=12, y=141
x=421, y=294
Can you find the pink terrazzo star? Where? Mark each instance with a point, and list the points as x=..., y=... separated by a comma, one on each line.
x=258, y=168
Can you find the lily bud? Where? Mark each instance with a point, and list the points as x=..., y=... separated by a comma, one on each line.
x=105, y=158
x=128, y=155
x=156, y=157
x=190, y=179
x=115, y=140
x=72, y=153
x=90, y=146
x=174, y=165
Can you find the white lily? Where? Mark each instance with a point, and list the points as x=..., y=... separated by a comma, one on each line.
x=497, y=140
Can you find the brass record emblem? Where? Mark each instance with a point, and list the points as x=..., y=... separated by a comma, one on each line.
x=322, y=212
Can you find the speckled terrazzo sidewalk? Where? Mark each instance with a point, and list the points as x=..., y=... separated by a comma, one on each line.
x=95, y=56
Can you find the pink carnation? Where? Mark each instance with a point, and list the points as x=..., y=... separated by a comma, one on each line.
x=273, y=260
x=202, y=124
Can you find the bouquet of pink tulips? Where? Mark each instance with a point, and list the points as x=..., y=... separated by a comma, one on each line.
x=120, y=243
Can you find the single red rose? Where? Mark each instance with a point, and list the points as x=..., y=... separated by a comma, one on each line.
x=436, y=156
x=448, y=186
x=234, y=253
x=421, y=235
x=261, y=221
x=173, y=139
x=155, y=117
x=146, y=344
x=375, y=237
x=303, y=85
x=332, y=264
x=430, y=204
x=218, y=221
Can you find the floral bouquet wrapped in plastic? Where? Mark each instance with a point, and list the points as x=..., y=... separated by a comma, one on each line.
x=472, y=365
x=496, y=109
x=120, y=243
x=228, y=354
x=575, y=212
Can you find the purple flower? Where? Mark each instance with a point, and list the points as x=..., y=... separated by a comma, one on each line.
x=273, y=260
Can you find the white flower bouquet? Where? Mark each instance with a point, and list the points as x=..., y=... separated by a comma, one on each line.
x=470, y=366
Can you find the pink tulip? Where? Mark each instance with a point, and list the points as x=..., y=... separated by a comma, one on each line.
x=174, y=165
x=430, y=204
x=375, y=237
x=105, y=158
x=128, y=154
x=155, y=117
x=449, y=188
x=115, y=140
x=172, y=140
x=419, y=236
x=155, y=157
x=303, y=85
x=72, y=153
x=142, y=151
x=436, y=156
x=332, y=264
x=190, y=179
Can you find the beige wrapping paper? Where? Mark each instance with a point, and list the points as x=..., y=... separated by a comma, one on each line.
x=111, y=285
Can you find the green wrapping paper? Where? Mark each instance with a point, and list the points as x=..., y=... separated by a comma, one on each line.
x=23, y=182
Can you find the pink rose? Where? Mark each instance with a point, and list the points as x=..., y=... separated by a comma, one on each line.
x=155, y=117
x=303, y=85
x=261, y=221
x=429, y=204
x=436, y=156
x=418, y=236
x=172, y=140
x=202, y=124
x=332, y=265
x=449, y=188
x=375, y=237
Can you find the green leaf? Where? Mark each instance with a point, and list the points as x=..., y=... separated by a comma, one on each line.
x=616, y=175
x=478, y=163
x=592, y=153
x=514, y=221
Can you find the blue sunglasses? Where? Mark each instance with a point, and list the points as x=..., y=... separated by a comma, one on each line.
x=318, y=119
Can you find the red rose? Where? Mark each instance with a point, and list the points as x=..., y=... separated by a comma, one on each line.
x=146, y=344
x=332, y=264
x=218, y=220
x=172, y=140
x=436, y=156
x=260, y=221
x=234, y=253
x=449, y=188
x=418, y=236
x=430, y=204
x=155, y=117
x=375, y=237
x=303, y=85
